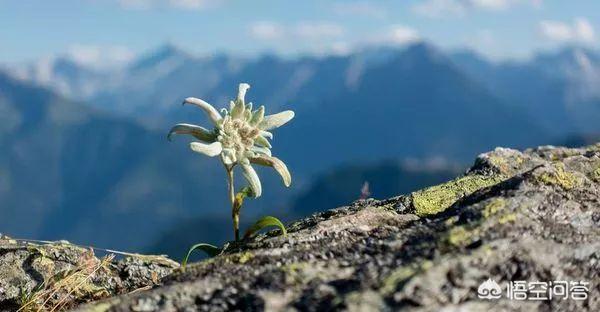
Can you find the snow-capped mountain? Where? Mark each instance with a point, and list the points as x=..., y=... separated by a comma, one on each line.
x=64, y=76
x=562, y=84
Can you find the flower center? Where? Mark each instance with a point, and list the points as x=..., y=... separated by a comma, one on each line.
x=238, y=135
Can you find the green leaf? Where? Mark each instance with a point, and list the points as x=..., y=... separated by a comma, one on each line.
x=240, y=196
x=246, y=191
x=209, y=249
x=265, y=222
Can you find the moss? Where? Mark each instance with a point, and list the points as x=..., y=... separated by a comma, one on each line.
x=398, y=276
x=493, y=207
x=559, y=176
x=294, y=267
x=294, y=273
x=595, y=147
x=500, y=163
x=301, y=273
x=100, y=307
x=45, y=262
x=506, y=163
x=402, y=275
x=236, y=258
x=438, y=198
x=461, y=236
x=486, y=249
x=361, y=300
x=596, y=175
x=511, y=217
x=388, y=207
x=451, y=221
x=245, y=257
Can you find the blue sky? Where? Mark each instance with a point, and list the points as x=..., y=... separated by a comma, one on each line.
x=103, y=31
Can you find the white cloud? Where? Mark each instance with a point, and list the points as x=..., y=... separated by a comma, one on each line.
x=340, y=48
x=189, y=4
x=584, y=30
x=395, y=35
x=444, y=8
x=307, y=30
x=493, y=5
x=580, y=31
x=359, y=8
x=265, y=30
x=437, y=8
x=326, y=38
x=399, y=35
x=556, y=31
x=100, y=56
x=318, y=30
x=178, y=4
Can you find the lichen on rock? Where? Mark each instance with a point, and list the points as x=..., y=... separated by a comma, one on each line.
x=596, y=175
x=438, y=198
x=561, y=177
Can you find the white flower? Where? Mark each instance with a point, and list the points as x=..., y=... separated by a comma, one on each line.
x=240, y=137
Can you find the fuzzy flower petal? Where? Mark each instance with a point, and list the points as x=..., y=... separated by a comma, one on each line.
x=198, y=132
x=212, y=113
x=228, y=156
x=276, y=120
x=257, y=116
x=262, y=141
x=210, y=150
x=261, y=150
x=277, y=164
x=252, y=178
x=266, y=134
x=243, y=87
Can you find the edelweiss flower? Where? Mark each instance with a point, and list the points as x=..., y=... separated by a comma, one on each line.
x=240, y=136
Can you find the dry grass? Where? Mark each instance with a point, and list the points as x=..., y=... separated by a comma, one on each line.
x=67, y=288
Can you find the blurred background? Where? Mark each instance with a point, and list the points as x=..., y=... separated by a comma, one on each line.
x=396, y=94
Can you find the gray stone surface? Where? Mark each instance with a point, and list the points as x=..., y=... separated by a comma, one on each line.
x=530, y=216
x=43, y=276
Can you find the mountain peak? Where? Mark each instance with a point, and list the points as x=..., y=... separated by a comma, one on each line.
x=164, y=53
x=423, y=49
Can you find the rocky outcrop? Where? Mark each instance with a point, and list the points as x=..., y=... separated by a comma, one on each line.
x=59, y=275
x=514, y=216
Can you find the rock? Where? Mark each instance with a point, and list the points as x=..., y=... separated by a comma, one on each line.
x=36, y=276
x=514, y=216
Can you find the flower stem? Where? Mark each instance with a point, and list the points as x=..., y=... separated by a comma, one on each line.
x=235, y=212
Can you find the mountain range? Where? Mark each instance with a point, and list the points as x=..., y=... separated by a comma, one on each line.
x=561, y=87
x=84, y=156
x=561, y=83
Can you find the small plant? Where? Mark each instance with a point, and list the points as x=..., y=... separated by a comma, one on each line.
x=69, y=287
x=240, y=138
